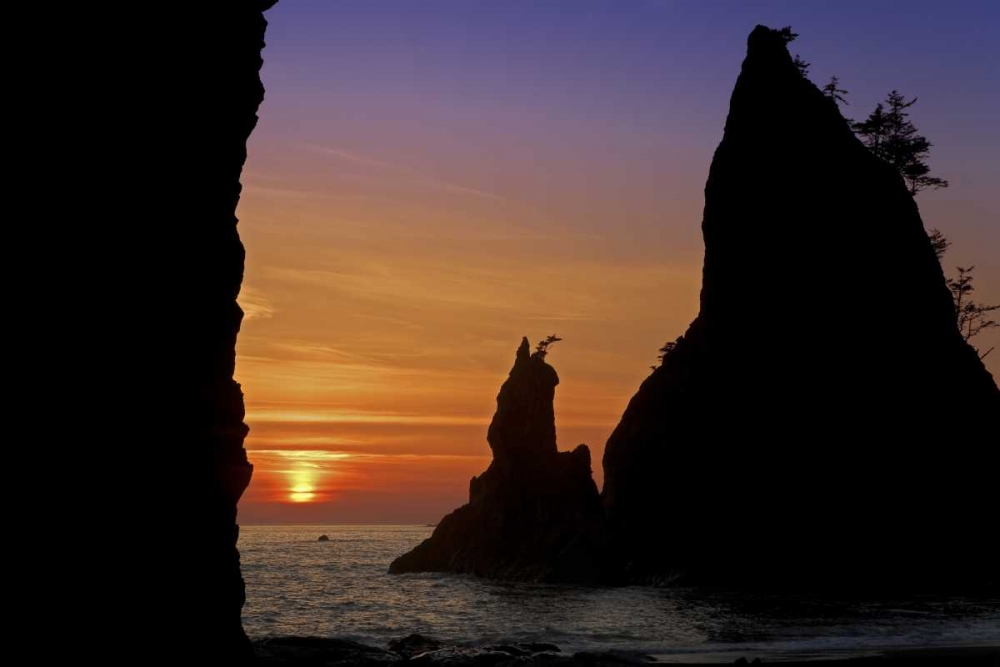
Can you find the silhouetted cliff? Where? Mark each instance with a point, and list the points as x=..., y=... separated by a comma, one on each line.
x=822, y=421
x=139, y=123
x=196, y=113
x=207, y=455
x=535, y=514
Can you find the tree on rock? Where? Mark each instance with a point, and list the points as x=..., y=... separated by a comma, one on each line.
x=787, y=36
x=801, y=64
x=834, y=91
x=667, y=349
x=939, y=243
x=543, y=346
x=890, y=134
x=973, y=318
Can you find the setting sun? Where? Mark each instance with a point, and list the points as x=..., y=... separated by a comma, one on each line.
x=302, y=493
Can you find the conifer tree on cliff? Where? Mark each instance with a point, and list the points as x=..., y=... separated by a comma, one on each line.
x=833, y=90
x=542, y=349
x=890, y=134
x=972, y=317
x=787, y=36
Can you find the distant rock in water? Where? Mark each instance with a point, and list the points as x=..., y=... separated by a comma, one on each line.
x=323, y=538
x=821, y=422
x=535, y=514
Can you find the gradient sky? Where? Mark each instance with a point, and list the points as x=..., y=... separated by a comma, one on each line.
x=430, y=181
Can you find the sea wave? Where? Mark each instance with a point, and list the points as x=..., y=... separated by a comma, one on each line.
x=297, y=585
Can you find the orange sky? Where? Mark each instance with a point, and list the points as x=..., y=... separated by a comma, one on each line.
x=382, y=315
x=409, y=213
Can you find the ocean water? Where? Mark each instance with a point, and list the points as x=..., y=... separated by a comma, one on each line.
x=297, y=585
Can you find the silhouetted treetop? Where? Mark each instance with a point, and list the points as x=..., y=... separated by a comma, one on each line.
x=786, y=34
x=833, y=90
x=972, y=318
x=543, y=346
x=939, y=243
x=667, y=349
x=801, y=64
x=890, y=134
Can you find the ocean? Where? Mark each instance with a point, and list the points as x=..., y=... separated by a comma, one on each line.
x=297, y=585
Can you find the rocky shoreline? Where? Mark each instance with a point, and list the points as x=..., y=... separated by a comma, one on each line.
x=416, y=650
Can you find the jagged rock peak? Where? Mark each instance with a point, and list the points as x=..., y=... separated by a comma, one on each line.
x=524, y=351
x=535, y=513
x=523, y=427
x=777, y=435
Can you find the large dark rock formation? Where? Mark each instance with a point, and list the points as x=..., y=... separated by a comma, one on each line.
x=140, y=120
x=821, y=422
x=535, y=514
x=205, y=421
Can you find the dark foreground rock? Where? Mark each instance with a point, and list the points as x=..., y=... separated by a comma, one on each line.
x=822, y=422
x=535, y=514
x=205, y=430
x=315, y=651
x=141, y=243
x=414, y=644
x=320, y=651
x=419, y=650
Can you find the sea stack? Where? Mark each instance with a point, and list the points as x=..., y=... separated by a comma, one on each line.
x=821, y=422
x=535, y=514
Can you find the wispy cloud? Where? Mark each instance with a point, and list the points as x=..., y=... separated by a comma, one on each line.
x=348, y=156
x=555, y=291
x=335, y=416
x=405, y=174
x=451, y=187
x=407, y=284
x=304, y=454
x=254, y=304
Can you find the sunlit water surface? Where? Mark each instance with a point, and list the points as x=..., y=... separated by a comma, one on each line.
x=297, y=585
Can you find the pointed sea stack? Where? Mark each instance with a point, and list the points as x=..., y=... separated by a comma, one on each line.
x=535, y=514
x=822, y=422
